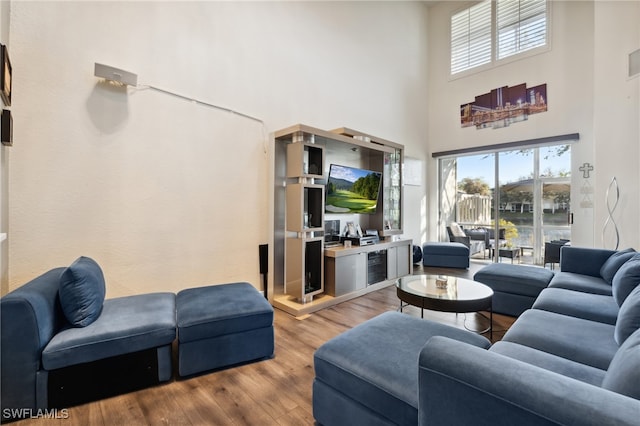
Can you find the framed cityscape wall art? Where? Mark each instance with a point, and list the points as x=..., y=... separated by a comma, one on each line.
x=5, y=75
x=504, y=106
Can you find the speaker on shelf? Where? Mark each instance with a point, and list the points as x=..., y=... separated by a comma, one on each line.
x=264, y=266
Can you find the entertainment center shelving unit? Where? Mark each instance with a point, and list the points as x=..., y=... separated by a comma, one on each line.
x=307, y=276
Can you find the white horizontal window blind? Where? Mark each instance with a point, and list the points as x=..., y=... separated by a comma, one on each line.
x=521, y=25
x=471, y=37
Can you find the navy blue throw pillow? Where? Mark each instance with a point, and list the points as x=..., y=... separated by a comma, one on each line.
x=614, y=262
x=626, y=279
x=82, y=291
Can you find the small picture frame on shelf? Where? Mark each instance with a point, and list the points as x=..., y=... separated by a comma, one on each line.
x=350, y=230
x=5, y=75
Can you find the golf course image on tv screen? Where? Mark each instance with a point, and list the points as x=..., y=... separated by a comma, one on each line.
x=352, y=190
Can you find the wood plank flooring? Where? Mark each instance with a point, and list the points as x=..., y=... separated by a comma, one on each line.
x=276, y=391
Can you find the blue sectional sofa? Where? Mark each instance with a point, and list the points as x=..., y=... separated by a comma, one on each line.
x=573, y=359
x=63, y=344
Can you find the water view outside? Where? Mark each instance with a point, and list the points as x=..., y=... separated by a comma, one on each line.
x=534, y=187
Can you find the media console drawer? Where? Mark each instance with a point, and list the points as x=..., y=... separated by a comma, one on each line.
x=350, y=269
x=345, y=274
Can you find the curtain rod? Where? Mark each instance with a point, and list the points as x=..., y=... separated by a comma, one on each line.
x=506, y=145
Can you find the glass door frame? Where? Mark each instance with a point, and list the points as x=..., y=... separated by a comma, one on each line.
x=538, y=182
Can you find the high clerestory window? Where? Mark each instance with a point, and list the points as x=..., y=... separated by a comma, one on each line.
x=490, y=31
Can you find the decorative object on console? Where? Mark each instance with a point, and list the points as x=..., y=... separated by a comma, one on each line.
x=350, y=230
x=331, y=232
x=6, y=74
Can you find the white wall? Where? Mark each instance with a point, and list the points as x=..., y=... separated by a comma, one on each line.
x=166, y=194
x=616, y=119
x=579, y=73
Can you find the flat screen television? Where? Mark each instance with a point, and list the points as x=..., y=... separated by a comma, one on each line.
x=352, y=190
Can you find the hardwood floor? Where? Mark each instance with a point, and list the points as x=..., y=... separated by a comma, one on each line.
x=276, y=391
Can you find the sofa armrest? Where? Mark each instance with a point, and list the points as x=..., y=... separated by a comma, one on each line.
x=29, y=317
x=464, y=240
x=460, y=385
x=583, y=260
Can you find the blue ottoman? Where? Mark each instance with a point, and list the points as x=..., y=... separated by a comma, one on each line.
x=368, y=375
x=445, y=255
x=222, y=325
x=515, y=287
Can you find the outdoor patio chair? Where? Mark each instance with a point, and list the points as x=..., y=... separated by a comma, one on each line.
x=552, y=251
x=491, y=237
x=475, y=239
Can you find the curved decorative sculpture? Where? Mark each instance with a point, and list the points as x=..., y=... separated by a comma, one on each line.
x=613, y=184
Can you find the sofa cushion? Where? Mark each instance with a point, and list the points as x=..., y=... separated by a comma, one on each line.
x=82, y=291
x=565, y=336
x=628, y=317
x=614, y=262
x=626, y=279
x=623, y=375
x=456, y=230
x=557, y=364
x=594, y=307
x=580, y=282
x=127, y=324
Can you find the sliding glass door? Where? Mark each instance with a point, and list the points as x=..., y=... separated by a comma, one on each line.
x=530, y=207
x=519, y=201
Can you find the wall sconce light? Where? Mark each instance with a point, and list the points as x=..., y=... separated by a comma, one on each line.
x=116, y=75
x=126, y=78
